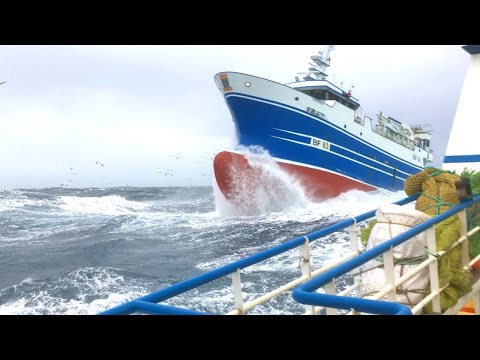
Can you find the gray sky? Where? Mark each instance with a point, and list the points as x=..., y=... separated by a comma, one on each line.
x=142, y=110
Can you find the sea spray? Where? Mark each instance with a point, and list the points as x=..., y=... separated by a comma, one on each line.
x=270, y=190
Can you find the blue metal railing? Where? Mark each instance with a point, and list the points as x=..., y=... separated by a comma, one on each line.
x=304, y=293
x=149, y=303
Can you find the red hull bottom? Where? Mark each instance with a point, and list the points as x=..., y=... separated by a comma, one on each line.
x=234, y=174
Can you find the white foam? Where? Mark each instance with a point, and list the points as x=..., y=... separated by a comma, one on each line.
x=15, y=199
x=46, y=304
x=105, y=205
x=112, y=288
x=276, y=191
x=349, y=204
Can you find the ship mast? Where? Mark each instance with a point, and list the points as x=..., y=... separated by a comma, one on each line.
x=318, y=70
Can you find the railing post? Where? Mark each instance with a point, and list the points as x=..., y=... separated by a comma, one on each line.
x=389, y=267
x=433, y=268
x=331, y=289
x=306, y=268
x=237, y=291
x=353, y=232
x=462, y=215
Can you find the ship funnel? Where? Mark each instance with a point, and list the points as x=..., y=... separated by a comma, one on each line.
x=463, y=150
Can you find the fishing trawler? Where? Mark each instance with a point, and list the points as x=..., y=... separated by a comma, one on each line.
x=317, y=133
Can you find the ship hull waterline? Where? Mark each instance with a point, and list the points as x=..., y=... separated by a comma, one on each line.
x=235, y=175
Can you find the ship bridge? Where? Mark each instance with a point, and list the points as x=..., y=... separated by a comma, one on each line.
x=324, y=90
x=314, y=82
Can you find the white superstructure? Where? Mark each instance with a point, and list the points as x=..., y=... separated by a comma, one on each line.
x=463, y=150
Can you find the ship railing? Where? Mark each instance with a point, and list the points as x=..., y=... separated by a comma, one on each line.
x=333, y=302
x=422, y=129
x=399, y=139
x=303, y=288
x=358, y=119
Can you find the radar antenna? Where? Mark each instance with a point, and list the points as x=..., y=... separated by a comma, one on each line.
x=318, y=71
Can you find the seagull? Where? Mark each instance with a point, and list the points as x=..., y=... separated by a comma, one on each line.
x=176, y=157
x=98, y=162
x=73, y=171
x=3, y=82
x=167, y=172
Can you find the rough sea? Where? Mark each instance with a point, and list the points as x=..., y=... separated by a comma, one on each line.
x=82, y=251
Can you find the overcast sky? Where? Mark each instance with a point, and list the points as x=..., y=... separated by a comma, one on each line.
x=142, y=111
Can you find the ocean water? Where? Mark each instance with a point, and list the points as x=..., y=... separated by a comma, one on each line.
x=82, y=251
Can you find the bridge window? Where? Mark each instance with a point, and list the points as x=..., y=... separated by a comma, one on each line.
x=323, y=94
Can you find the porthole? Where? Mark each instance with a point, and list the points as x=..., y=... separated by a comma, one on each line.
x=296, y=99
x=247, y=84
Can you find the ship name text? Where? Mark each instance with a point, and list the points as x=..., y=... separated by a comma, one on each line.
x=315, y=112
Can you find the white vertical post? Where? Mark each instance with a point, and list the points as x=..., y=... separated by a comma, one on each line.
x=462, y=215
x=353, y=232
x=237, y=292
x=461, y=141
x=331, y=289
x=306, y=268
x=389, y=266
x=433, y=268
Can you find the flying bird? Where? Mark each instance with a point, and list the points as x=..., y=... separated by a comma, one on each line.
x=73, y=171
x=99, y=163
x=3, y=82
x=166, y=172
